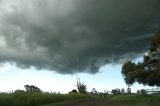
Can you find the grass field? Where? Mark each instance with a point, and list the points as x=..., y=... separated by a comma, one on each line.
x=134, y=100
x=49, y=99
x=36, y=99
x=115, y=100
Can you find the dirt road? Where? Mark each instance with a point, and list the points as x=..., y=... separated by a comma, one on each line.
x=100, y=102
x=92, y=102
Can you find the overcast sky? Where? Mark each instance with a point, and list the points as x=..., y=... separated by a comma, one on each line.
x=70, y=36
x=75, y=36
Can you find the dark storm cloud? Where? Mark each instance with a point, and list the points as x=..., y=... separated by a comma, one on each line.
x=70, y=36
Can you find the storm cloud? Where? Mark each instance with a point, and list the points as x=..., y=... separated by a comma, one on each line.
x=72, y=36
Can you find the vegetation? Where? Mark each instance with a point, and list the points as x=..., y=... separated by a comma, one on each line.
x=32, y=88
x=147, y=72
x=81, y=87
x=36, y=98
x=73, y=91
x=116, y=100
x=49, y=99
x=133, y=100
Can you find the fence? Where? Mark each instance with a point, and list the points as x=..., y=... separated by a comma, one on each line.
x=153, y=91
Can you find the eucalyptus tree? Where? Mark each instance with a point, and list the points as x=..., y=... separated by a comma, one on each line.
x=148, y=71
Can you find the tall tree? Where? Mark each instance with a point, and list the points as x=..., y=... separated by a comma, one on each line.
x=147, y=72
x=80, y=86
x=152, y=62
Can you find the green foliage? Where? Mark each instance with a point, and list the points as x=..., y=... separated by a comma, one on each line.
x=116, y=91
x=128, y=72
x=81, y=87
x=36, y=98
x=147, y=72
x=152, y=62
x=49, y=99
x=32, y=88
x=74, y=91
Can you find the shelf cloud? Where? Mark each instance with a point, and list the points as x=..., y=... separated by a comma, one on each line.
x=72, y=36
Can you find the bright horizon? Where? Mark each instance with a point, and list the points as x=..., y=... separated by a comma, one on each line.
x=108, y=78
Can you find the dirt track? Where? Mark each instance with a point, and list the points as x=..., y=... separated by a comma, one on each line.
x=105, y=102
x=93, y=102
x=97, y=102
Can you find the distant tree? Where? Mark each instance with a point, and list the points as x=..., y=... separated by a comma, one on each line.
x=94, y=91
x=129, y=90
x=143, y=92
x=115, y=91
x=81, y=87
x=19, y=91
x=32, y=88
x=147, y=72
x=122, y=91
x=74, y=91
x=27, y=87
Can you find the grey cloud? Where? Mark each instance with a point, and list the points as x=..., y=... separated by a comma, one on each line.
x=75, y=35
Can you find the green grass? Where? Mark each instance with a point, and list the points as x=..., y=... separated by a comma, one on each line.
x=49, y=99
x=36, y=99
x=134, y=100
x=118, y=100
